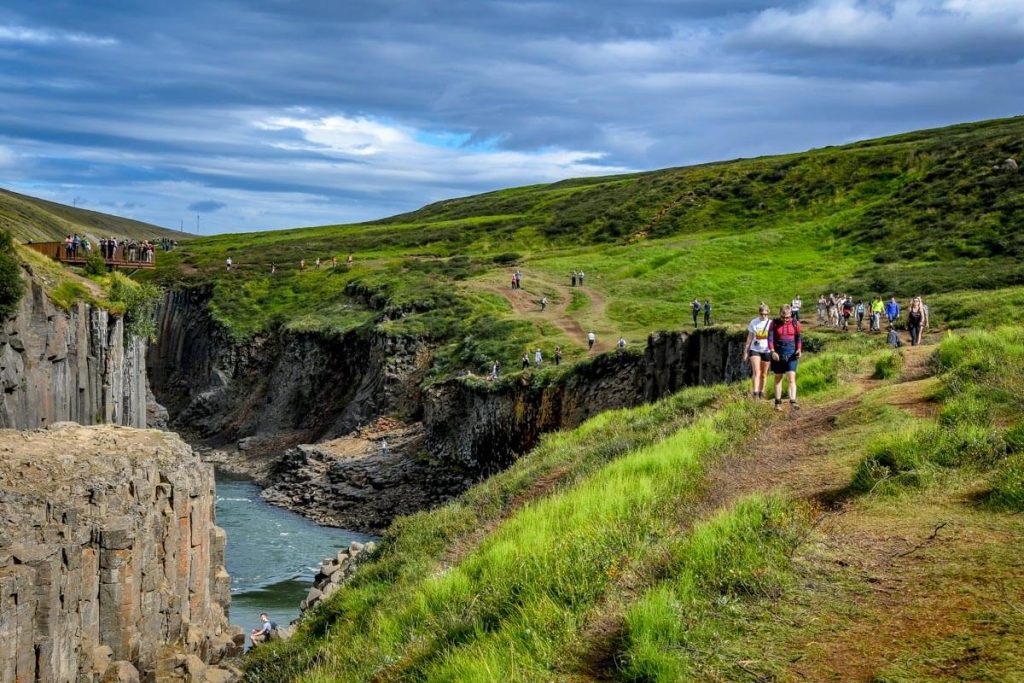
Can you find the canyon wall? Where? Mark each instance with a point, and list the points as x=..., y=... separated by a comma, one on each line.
x=110, y=561
x=77, y=365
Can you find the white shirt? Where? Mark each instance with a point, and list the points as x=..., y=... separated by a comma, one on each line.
x=591, y=336
x=759, y=328
x=536, y=356
x=795, y=305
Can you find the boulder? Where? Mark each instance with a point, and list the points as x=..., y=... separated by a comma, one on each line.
x=121, y=672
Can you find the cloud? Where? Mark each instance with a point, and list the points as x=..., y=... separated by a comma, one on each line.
x=43, y=36
x=206, y=206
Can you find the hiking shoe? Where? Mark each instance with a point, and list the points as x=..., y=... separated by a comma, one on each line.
x=778, y=404
x=794, y=405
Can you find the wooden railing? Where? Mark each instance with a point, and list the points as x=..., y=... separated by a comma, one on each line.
x=58, y=252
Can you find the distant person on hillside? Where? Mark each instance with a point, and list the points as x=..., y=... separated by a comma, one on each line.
x=348, y=261
x=892, y=310
x=915, y=320
x=543, y=302
x=821, y=309
x=620, y=346
x=707, y=312
x=316, y=264
x=785, y=343
x=537, y=357
x=892, y=339
x=860, y=309
x=334, y=262
x=513, y=280
x=581, y=278
x=526, y=360
x=228, y=263
x=273, y=269
x=695, y=309
x=519, y=279
x=558, y=355
x=495, y=370
x=302, y=264
x=591, y=338
x=383, y=446
x=262, y=633
x=572, y=278
x=797, y=304
x=847, y=312
x=757, y=351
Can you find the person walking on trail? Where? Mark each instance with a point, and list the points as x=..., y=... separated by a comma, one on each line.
x=302, y=264
x=847, y=312
x=316, y=266
x=797, y=304
x=892, y=310
x=334, y=263
x=707, y=312
x=591, y=338
x=581, y=278
x=558, y=355
x=916, y=317
x=348, y=261
x=757, y=352
x=273, y=269
x=228, y=262
x=859, y=309
x=821, y=309
x=621, y=346
x=495, y=370
x=519, y=279
x=543, y=302
x=877, y=309
x=513, y=280
x=526, y=360
x=695, y=309
x=573, y=278
x=262, y=633
x=785, y=344
x=537, y=357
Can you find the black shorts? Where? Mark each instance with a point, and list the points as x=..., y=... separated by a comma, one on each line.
x=766, y=356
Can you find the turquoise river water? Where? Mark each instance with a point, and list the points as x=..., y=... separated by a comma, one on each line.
x=272, y=554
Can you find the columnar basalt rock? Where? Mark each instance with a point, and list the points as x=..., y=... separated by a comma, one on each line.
x=110, y=560
x=79, y=365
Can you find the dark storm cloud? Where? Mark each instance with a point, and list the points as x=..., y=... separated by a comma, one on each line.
x=291, y=112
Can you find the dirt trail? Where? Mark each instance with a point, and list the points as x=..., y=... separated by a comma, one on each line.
x=526, y=302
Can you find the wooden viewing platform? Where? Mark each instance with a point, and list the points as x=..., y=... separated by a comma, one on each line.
x=57, y=252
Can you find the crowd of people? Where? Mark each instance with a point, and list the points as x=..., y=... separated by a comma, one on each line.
x=837, y=310
x=113, y=249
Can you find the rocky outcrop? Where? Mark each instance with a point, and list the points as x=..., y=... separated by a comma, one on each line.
x=335, y=571
x=111, y=566
x=482, y=428
x=77, y=365
x=472, y=428
x=281, y=387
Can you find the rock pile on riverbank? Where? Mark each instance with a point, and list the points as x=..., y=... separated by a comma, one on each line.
x=334, y=571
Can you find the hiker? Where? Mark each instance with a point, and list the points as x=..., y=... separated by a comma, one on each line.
x=526, y=360
x=383, y=446
x=228, y=263
x=785, y=344
x=573, y=278
x=495, y=370
x=707, y=312
x=316, y=266
x=797, y=304
x=821, y=309
x=302, y=264
x=348, y=261
x=695, y=309
x=877, y=309
x=591, y=338
x=558, y=355
x=513, y=280
x=621, y=346
x=892, y=310
x=537, y=357
x=543, y=302
x=916, y=317
x=262, y=634
x=892, y=339
x=757, y=352
x=859, y=308
x=519, y=279
x=334, y=263
x=847, y=312
x=273, y=269
x=581, y=278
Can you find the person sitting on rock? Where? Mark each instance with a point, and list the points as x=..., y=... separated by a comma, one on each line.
x=262, y=634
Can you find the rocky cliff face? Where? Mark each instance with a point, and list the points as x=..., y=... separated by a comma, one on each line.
x=110, y=561
x=280, y=387
x=76, y=365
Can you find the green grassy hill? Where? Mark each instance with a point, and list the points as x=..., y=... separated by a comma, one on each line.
x=921, y=213
x=28, y=218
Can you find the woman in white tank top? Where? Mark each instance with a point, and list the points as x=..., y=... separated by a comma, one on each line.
x=756, y=349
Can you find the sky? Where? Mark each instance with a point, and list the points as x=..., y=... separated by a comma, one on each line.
x=235, y=116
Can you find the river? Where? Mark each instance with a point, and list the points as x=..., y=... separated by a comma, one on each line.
x=272, y=554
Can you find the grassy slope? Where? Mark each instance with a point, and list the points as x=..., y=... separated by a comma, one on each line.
x=918, y=213
x=613, y=551
x=29, y=218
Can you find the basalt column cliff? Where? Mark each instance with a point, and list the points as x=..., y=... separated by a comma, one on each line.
x=111, y=566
